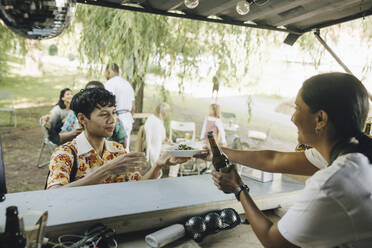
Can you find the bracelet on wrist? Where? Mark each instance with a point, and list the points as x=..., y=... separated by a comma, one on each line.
x=239, y=190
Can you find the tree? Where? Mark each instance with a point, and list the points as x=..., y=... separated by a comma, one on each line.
x=126, y=38
x=138, y=41
x=9, y=42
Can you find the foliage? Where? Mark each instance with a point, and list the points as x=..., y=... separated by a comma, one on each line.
x=360, y=30
x=9, y=42
x=53, y=50
x=124, y=37
x=367, y=37
x=175, y=47
x=311, y=45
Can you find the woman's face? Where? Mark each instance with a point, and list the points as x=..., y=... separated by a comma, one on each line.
x=305, y=122
x=67, y=97
x=164, y=114
x=212, y=111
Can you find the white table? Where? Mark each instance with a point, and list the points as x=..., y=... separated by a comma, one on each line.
x=141, y=115
x=231, y=127
x=135, y=206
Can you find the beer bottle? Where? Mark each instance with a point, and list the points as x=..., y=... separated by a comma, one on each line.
x=12, y=237
x=219, y=160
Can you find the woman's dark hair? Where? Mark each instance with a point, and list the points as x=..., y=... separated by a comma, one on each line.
x=344, y=98
x=60, y=103
x=94, y=84
x=88, y=99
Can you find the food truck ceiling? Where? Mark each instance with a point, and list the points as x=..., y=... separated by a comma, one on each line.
x=293, y=16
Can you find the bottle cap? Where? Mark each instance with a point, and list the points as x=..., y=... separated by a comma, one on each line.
x=12, y=210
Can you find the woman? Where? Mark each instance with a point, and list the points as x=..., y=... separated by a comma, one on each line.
x=213, y=123
x=155, y=132
x=335, y=208
x=58, y=115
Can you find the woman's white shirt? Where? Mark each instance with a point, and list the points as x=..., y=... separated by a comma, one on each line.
x=314, y=157
x=335, y=208
x=155, y=135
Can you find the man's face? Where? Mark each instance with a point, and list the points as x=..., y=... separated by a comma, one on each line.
x=107, y=74
x=101, y=123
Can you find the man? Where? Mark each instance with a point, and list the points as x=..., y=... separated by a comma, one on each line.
x=71, y=128
x=124, y=95
x=98, y=160
x=216, y=86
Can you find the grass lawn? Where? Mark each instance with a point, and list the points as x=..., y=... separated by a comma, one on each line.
x=35, y=96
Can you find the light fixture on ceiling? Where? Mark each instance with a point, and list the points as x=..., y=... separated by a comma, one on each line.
x=191, y=4
x=243, y=7
x=37, y=19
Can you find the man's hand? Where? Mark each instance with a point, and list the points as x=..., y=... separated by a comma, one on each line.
x=166, y=160
x=205, y=155
x=227, y=182
x=120, y=165
x=125, y=163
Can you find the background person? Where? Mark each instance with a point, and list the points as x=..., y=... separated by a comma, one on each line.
x=58, y=116
x=213, y=123
x=155, y=132
x=98, y=160
x=216, y=87
x=71, y=128
x=124, y=95
x=335, y=207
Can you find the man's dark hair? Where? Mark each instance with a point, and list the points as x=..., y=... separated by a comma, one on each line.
x=113, y=67
x=94, y=84
x=60, y=103
x=88, y=99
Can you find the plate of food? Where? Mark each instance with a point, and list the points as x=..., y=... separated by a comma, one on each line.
x=183, y=150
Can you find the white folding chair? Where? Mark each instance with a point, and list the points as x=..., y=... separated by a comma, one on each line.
x=185, y=127
x=11, y=109
x=45, y=141
x=257, y=138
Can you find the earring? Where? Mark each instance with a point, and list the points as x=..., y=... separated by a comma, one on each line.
x=317, y=131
